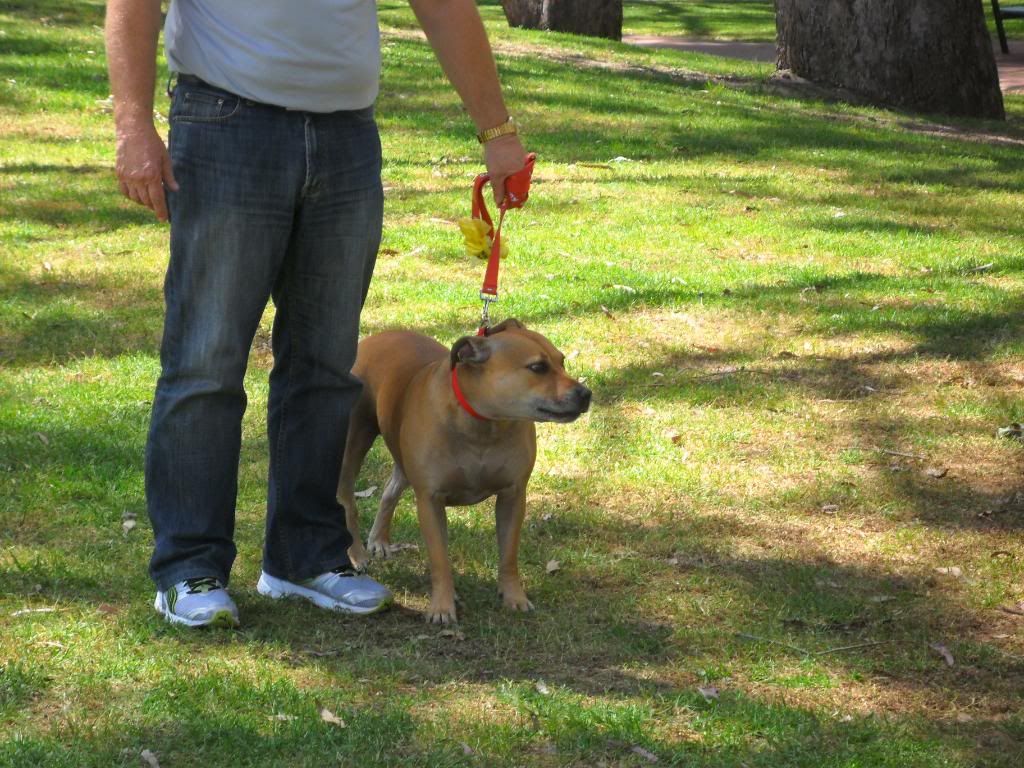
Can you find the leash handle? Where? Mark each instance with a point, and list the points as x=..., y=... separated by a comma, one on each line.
x=517, y=192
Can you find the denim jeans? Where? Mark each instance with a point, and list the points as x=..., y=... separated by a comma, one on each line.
x=272, y=203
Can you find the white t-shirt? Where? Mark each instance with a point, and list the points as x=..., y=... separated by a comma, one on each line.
x=309, y=55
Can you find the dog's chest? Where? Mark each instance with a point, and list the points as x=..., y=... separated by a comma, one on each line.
x=474, y=476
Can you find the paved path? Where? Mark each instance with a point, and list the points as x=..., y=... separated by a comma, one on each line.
x=1011, y=67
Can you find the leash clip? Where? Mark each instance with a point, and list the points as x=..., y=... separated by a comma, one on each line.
x=485, y=315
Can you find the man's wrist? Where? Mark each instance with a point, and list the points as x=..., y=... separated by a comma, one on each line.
x=506, y=128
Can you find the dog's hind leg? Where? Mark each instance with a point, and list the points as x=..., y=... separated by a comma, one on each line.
x=362, y=431
x=379, y=540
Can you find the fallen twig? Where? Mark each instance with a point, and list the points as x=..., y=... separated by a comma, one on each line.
x=842, y=648
x=744, y=636
x=886, y=451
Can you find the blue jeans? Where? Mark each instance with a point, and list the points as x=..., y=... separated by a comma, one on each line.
x=272, y=203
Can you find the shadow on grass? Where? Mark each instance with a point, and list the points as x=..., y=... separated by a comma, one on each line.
x=57, y=12
x=599, y=641
x=57, y=320
x=83, y=197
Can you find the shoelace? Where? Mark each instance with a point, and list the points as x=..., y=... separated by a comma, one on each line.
x=345, y=571
x=202, y=585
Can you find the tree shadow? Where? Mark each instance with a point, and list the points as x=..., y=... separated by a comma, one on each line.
x=57, y=319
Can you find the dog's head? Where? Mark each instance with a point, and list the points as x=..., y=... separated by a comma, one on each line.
x=518, y=374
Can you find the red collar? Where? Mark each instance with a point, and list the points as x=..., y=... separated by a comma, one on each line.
x=462, y=398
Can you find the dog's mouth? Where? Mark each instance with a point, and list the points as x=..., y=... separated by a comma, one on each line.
x=560, y=415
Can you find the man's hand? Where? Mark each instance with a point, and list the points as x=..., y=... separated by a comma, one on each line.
x=144, y=168
x=504, y=156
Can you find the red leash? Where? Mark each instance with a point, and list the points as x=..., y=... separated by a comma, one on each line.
x=517, y=191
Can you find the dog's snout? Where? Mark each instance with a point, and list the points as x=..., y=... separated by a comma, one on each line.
x=582, y=397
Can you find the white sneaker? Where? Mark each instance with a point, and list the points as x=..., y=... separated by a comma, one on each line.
x=343, y=589
x=201, y=602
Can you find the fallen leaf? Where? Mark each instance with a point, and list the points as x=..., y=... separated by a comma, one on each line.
x=936, y=472
x=128, y=525
x=1016, y=610
x=43, y=438
x=829, y=509
x=329, y=717
x=48, y=266
x=552, y=566
x=403, y=546
x=107, y=608
x=452, y=634
x=607, y=312
x=546, y=517
x=1014, y=431
x=541, y=688
x=281, y=717
x=943, y=651
x=963, y=717
x=466, y=749
x=149, y=759
x=658, y=375
x=626, y=288
x=365, y=494
x=951, y=570
x=881, y=598
x=708, y=692
x=645, y=754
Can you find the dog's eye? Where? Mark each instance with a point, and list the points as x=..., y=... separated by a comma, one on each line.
x=539, y=367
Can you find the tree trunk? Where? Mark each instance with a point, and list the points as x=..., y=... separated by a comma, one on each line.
x=596, y=18
x=926, y=55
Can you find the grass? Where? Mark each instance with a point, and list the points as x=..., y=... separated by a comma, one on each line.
x=747, y=20
x=765, y=293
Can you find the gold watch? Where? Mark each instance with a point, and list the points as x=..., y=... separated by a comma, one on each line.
x=509, y=126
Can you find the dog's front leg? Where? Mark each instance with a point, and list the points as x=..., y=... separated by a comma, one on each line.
x=509, y=512
x=433, y=527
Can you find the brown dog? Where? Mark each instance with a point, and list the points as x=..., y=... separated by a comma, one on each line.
x=452, y=453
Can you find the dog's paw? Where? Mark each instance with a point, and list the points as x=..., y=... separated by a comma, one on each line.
x=381, y=548
x=440, y=613
x=516, y=602
x=358, y=556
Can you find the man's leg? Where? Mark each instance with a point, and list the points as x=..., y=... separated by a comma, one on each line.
x=318, y=296
x=239, y=168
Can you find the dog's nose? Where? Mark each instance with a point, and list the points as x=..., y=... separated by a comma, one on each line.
x=582, y=397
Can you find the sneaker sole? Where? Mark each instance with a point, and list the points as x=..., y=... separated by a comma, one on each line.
x=280, y=591
x=219, y=620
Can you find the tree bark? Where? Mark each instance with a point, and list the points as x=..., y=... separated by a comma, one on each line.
x=926, y=55
x=595, y=18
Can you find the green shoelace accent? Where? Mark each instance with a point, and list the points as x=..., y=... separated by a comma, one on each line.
x=202, y=585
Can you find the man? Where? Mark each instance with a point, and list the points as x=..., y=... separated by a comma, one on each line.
x=271, y=182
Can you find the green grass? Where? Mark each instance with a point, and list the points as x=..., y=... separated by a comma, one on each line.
x=765, y=295
x=713, y=19
x=746, y=20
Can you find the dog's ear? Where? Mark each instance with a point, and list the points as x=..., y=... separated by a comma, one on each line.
x=470, y=349
x=504, y=325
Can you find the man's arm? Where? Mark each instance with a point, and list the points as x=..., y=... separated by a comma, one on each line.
x=143, y=165
x=457, y=35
